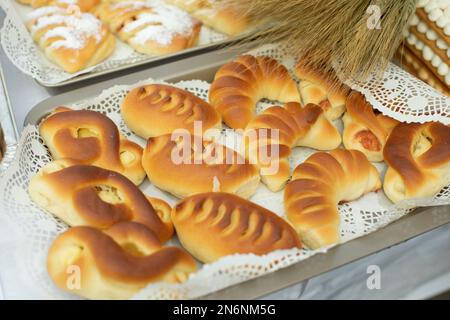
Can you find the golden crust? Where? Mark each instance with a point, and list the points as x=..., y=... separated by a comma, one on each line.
x=297, y=126
x=92, y=196
x=240, y=84
x=173, y=165
x=90, y=137
x=114, y=264
x=232, y=225
x=418, y=159
x=157, y=109
x=84, y=5
x=318, y=185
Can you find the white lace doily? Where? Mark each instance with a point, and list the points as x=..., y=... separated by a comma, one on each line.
x=26, y=55
x=39, y=228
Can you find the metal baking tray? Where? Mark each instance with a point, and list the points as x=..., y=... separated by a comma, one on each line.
x=204, y=67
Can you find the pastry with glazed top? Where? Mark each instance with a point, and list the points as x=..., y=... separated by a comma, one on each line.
x=365, y=129
x=318, y=185
x=69, y=38
x=90, y=137
x=114, y=263
x=83, y=195
x=152, y=28
x=233, y=226
x=158, y=109
x=240, y=84
x=84, y=5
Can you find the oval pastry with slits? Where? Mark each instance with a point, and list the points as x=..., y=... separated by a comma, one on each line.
x=213, y=225
x=158, y=109
x=83, y=195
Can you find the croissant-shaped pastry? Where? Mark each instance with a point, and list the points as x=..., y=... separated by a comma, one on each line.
x=157, y=109
x=91, y=196
x=232, y=225
x=240, y=84
x=418, y=159
x=190, y=165
x=363, y=129
x=297, y=126
x=114, y=263
x=84, y=5
x=90, y=137
x=318, y=185
x=316, y=87
x=152, y=28
x=69, y=38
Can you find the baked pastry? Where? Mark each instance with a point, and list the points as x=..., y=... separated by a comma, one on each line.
x=418, y=159
x=224, y=19
x=71, y=39
x=233, y=225
x=158, y=109
x=83, y=195
x=90, y=137
x=152, y=28
x=318, y=185
x=281, y=129
x=364, y=129
x=84, y=5
x=187, y=165
x=316, y=87
x=240, y=84
x=115, y=263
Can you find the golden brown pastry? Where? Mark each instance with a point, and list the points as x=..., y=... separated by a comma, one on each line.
x=71, y=39
x=84, y=5
x=152, y=28
x=83, y=195
x=215, y=224
x=365, y=130
x=223, y=19
x=187, y=165
x=240, y=84
x=115, y=263
x=418, y=159
x=90, y=137
x=316, y=87
x=318, y=185
x=297, y=126
x=158, y=109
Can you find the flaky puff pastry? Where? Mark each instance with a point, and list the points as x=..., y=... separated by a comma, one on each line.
x=188, y=165
x=152, y=28
x=84, y=5
x=365, y=130
x=318, y=185
x=71, y=39
x=418, y=159
x=91, y=196
x=90, y=137
x=282, y=129
x=240, y=84
x=157, y=109
x=213, y=225
x=114, y=263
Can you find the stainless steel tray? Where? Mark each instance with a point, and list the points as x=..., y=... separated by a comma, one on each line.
x=204, y=67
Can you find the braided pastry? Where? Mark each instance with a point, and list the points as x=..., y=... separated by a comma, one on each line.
x=115, y=263
x=240, y=84
x=317, y=88
x=232, y=225
x=297, y=126
x=90, y=137
x=152, y=28
x=418, y=159
x=84, y=5
x=363, y=129
x=157, y=109
x=192, y=165
x=96, y=197
x=71, y=39
x=318, y=185
x=223, y=19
